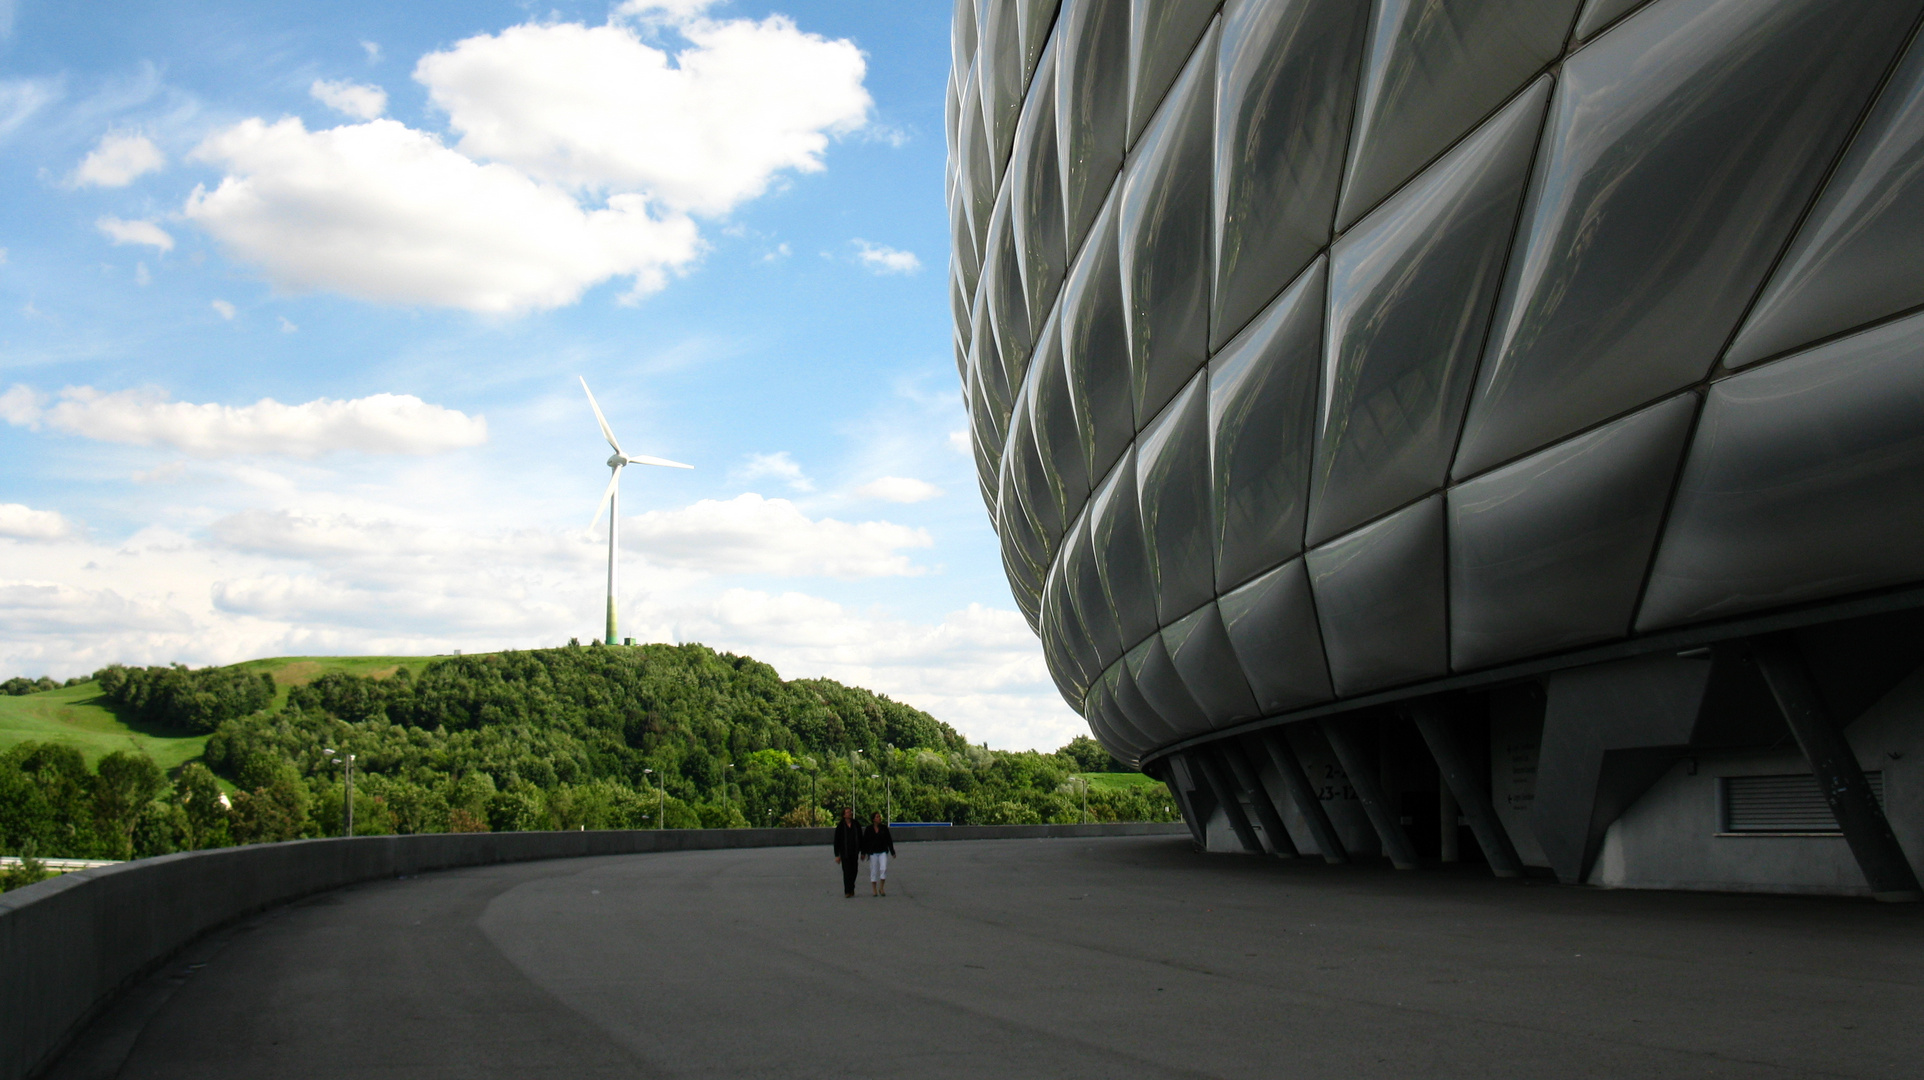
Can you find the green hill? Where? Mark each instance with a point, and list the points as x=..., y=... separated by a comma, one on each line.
x=597, y=737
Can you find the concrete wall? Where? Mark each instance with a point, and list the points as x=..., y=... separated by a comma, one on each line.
x=68, y=945
x=1669, y=838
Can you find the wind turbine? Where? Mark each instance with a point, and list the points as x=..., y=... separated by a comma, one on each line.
x=611, y=500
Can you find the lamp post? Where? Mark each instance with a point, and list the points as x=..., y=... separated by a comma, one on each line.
x=1083, y=783
x=347, y=809
x=854, y=783
x=725, y=770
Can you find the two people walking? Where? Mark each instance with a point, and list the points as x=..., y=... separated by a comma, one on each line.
x=855, y=844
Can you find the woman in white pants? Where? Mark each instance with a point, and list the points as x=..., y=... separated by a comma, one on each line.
x=878, y=847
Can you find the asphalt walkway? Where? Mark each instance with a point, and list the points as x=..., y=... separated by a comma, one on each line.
x=1046, y=958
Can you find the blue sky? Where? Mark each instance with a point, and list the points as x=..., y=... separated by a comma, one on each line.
x=293, y=299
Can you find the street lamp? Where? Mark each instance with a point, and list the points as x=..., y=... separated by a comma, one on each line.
x=1083, y=783
x=854, y=783
x=347, y=810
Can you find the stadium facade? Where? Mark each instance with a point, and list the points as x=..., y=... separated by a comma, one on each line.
x=1466, y=429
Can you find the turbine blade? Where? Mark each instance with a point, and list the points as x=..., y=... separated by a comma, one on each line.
x=606, y=432
x=607, y=495
x=663, y=462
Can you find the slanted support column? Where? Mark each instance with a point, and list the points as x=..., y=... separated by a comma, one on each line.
x=1838, y=774
x=1246, y=776
x=1453, y=762
x=1447, y=812
x=1290, y=768
x=1182, y=782
x=1204, y=762
x=1362, y=780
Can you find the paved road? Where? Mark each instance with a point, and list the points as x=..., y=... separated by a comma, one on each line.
x=1049, y=958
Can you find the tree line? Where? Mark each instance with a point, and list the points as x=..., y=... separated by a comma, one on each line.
x=654, y=736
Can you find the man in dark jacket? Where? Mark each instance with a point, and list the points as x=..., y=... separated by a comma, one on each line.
x=879, y=846
x=848, y=849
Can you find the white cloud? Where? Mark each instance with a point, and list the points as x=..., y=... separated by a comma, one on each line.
x=224, y=309
x=287, y=326
x=960, y=443
x=675, y=10
x=899, y=489
x=379, y=424
x=373, y=51
x=118, y=160
x=385, y=213
x=135, y=232
x=886, y=260
x=142, y=276
x=779, y=466
x=21, y=99
x=359, y=100
x=25, y=523
x=597, y=108
x=753, y=535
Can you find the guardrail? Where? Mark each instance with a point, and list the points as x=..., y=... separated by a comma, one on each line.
x=70, y=944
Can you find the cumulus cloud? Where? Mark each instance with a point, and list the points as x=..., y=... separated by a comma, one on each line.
x=382, y=212
x=595, y=107
x=778, y=466
x=373, y=51
x=224, y=309
x=899, y=489
x=886, y=260
x=753, y=535
x=135, y=232
x=359, y=100
x=379, y=424
x=25, y=523
x=118, y=160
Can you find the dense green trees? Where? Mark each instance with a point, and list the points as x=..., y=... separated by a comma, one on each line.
x=596, y=737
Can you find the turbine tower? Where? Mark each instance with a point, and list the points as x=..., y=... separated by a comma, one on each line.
x=611, y=500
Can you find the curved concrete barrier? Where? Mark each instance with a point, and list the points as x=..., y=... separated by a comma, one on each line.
x=70, y=944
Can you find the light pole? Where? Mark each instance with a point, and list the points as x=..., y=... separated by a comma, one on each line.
x=661, y=800
x=855, y=783
x=347, y=809
x=1083, y=783
x=725, y=769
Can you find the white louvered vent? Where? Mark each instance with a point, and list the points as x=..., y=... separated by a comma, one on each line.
x=1782, y=804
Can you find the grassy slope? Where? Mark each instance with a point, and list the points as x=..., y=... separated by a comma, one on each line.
x=80, y=717
x=1101, y=781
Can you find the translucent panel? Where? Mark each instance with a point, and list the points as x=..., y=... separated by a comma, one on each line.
x=1601, y=13
x=1023, y=554
x=1271, y=623
x=1434, y=70
x=959, y=293
x=1062, y=636
x=1095, y=348
x=1082, y=582
x=1115, y=535
x=1031, y=482
x=1036, y=204
x=951, y=123
x=1002, y=288
x=1284, y=96
x=1262, y=417
x=962, y=34
x=1097, y=713
x=962, y=246
x=990, y=400
x=1037, y=17
x=1132, y=703
x=1022, y=586
x=1550, y=552
x=1684, y=144
x=1805, y=481
x=998, y=58
x=1092, y=106
x=1052, y=414
x=1410, y=291
x=1172, y=477
x=1379, y=595
x=1131, y=741
x=1200, y=649
x=1162, y=34
x=1855, y=259
x=1161, y=686
x=1163, y=233
x=975, y=172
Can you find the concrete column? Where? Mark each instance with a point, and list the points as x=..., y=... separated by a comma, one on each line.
x=1459, y=776
x=1181, y=782
x=1447, y=812
x=1362, y=779
x=1246, y=776
x=1204, y=761
x=1838, y=774
x=1290, y=767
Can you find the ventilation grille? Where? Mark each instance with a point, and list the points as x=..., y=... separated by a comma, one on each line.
x=1783, y=804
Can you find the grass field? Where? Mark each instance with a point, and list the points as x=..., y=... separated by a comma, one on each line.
x=1116, y=781
x=79, y=717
